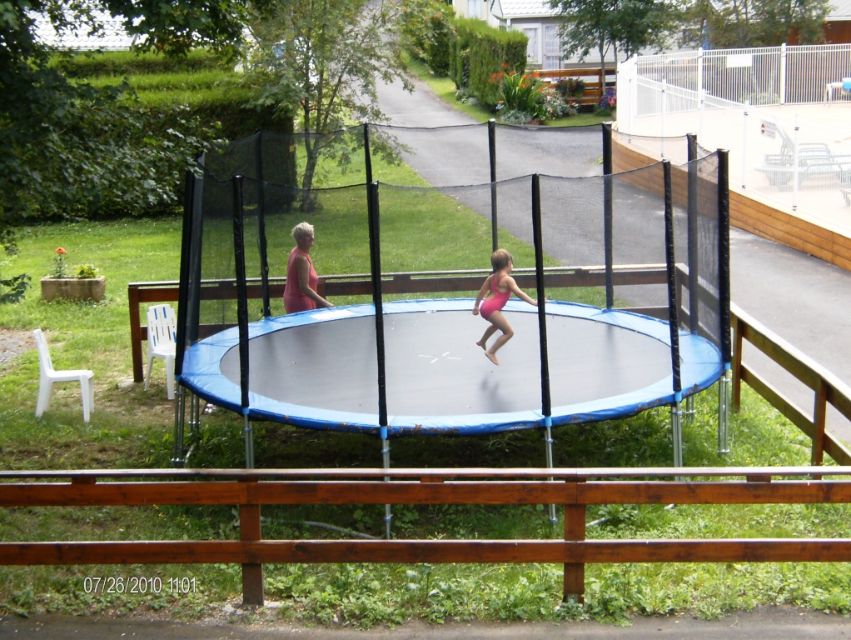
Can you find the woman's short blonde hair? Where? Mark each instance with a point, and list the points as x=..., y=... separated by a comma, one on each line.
x=302, y=230
x=500, y=259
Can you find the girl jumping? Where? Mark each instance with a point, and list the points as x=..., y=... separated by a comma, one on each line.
x=496, y=290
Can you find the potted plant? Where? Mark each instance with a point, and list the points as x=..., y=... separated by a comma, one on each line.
x=81, y=282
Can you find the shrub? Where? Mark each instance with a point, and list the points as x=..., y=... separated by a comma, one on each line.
x=481, y=54
x=570, y=87
x=522, y=93
x=607, y=103
x=427, y=33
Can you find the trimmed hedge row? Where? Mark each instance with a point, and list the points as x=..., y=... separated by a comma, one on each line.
x=481, y=55
x=202, y=81
x=124, y=63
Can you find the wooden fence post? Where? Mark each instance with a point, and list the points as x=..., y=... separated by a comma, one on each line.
x=738, y=343
x=252, y=574
x=574, y=572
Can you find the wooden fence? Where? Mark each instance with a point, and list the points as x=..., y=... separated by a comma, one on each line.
x=573, y=489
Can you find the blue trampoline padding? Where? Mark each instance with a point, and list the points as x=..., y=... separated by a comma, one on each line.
x=604, y=364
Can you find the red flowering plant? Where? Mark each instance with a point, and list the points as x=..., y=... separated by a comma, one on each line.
x=60, y=267
x=61, y=270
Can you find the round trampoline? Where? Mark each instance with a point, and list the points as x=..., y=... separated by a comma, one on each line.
x=318, y=369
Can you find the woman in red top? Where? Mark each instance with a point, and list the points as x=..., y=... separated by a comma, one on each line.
x=498, y=288
x=300, y=290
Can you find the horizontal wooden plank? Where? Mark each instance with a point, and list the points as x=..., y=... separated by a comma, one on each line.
x=575, y=474
x=447, y=492
x=431, y=551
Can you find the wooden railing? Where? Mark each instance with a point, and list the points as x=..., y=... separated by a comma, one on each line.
x=573, y=489
x=590, y=76
x=827, y=389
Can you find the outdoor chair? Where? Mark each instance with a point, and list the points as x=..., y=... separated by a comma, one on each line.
x=162, y=338
x=48, y=375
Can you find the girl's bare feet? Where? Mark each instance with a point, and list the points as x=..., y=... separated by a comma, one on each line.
x=481, y=343
x=492, y=357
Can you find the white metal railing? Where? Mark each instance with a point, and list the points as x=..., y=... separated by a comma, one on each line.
x=792, y=157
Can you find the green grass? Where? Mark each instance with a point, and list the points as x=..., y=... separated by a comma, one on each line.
x=422, y=230
x=132, y=428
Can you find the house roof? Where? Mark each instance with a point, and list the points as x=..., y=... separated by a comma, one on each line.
x=506, y=9
x=111, y=38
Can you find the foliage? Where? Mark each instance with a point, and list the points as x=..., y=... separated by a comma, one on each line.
x=13, y=288
x=86, y=271
x=427, y=33
x=626, y=27
x=608, y=102
x=754, y=23
x=132, y=428
x=523, y=93
x=90, y=64
x=571, y=87
x=60, y=267
x=481, y=55
x=319, y=61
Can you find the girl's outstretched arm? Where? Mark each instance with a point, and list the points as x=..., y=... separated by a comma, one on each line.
x=511, y=283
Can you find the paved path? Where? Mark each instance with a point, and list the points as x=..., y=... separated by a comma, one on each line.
x=803, y=300
x=762, y=624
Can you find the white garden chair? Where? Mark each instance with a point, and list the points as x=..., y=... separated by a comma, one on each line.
x=162, y=342
x=48, y=375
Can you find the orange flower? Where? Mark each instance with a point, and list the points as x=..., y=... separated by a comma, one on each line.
x=60, y=251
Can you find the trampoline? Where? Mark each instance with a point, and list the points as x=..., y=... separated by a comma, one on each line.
x=318, y=369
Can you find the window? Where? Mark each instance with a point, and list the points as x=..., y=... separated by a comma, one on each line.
x=533, y=54
x=552, y=47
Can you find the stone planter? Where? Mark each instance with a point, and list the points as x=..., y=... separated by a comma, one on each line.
x=73, y=288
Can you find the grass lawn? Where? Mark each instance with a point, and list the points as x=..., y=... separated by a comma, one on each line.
x=133, y=428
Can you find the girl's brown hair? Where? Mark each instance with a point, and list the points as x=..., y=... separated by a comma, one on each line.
x=500, y=259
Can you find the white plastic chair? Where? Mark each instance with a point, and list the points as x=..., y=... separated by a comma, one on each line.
x=162, y=339
x=48, y=375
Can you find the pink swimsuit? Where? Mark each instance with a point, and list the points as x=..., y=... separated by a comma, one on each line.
x=495, y=301
x=294, y=298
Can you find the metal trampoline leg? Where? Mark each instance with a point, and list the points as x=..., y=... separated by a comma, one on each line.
x=178, y=458
x=385, y=457
x=249, y=443
x=677, y=433
x=194, y=416
x=723, y=412
x=689, y=410
x=548, y=441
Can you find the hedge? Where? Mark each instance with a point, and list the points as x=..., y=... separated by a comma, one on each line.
x=122, y=63
x=482, y=54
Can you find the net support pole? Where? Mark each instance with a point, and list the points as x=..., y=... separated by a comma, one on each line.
x=673, y=318
x=608, y=225
x=378, y=302
x=492, y=162
x=724, y=297
x=693, y=255
x=546, y=401
x=242, y=315
x=367, y=154
x=261, y=226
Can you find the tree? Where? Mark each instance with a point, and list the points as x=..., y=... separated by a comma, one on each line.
x=755, y=23
x=625, y=26
x=320, y=60
x=41, y=111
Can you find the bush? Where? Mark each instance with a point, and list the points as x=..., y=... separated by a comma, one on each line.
x=481, y=55
x=522, y=93
x=427, y=33
x=570, y=87
x=122, y=63
x=608, y=102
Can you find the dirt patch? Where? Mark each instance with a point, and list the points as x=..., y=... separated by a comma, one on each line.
x=13, y=343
